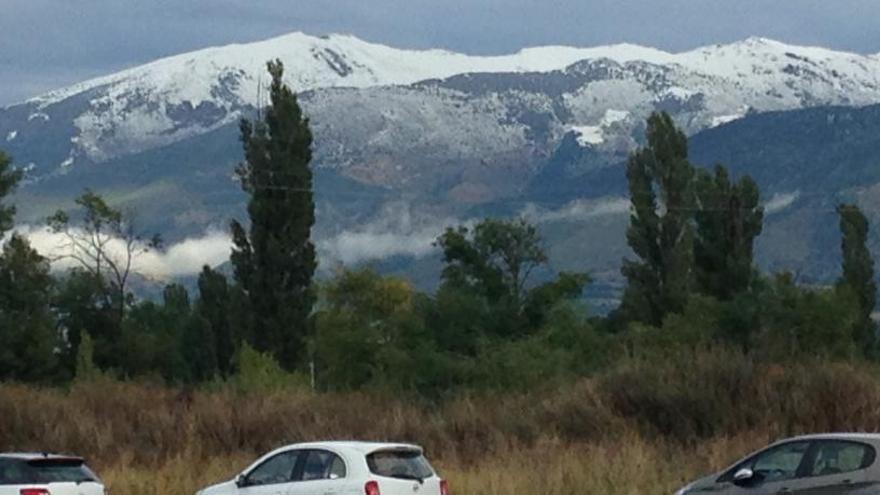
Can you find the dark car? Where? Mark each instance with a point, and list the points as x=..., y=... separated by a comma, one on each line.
x=827, y=464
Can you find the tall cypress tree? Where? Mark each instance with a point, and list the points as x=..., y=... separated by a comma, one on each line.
x=661, y=225
x=214, y=307
x=9, y=178
x=729, y=217
x=275, y=259
x=858, y=271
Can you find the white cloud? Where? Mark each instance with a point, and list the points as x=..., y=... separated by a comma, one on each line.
x=396, y=231
x=182, y=258
x=579, y=209
x=780, y=201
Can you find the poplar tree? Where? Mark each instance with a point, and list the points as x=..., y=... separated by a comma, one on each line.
x=858, y=271
x=214, y=306
x=274, y=259
x=661, y=229
x=729, y=217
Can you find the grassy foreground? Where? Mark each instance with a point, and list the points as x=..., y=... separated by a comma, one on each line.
x=644, y=427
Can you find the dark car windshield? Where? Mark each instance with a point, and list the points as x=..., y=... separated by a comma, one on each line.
x=41, y=471
x=400, y=463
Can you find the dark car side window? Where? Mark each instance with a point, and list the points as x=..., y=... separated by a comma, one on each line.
x=322, y=465
x=780, y=463
x=277, y=469
x=832, y=457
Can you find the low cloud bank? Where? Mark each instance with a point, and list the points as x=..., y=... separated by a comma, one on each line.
x=182, y=258
x=396, y=231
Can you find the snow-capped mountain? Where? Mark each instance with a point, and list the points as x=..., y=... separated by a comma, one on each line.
x=600, y=93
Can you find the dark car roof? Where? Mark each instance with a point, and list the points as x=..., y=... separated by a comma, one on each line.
x=864, y=437
x=30, y=456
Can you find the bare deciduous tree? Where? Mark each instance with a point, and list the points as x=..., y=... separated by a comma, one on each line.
x=105, y=244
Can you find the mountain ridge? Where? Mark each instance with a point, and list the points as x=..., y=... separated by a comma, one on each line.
x=183, y=95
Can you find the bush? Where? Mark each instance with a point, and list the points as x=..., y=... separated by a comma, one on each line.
x=260, y=373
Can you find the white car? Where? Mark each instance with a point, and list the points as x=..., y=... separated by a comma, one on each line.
x=44, y=474
x=337, y=468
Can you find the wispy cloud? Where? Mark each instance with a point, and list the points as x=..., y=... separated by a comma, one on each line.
x=580, y=209
x=396, y=231
x=182, y=258
x=780, y=201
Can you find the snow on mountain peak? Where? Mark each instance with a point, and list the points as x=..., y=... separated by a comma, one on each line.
x=191, y=93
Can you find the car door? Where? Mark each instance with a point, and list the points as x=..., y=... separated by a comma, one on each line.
x=321, y=472
x=837, y=467
x=777, y=470
x=274, y=476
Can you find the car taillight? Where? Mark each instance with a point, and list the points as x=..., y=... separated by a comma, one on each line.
x=444, y=487
x=33, y=491
x=372, y=488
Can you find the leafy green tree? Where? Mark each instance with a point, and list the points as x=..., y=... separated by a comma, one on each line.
x=493, y=262
x=858, y=272
x=214, y=306
x=27, y=334
x=198, y=349
x=82, y=304
x=729, y=217
x=167, y=340
x=275, y=260
x=661, y=233
x=796, y=321
x=495, y=259
x=27, y=331
x=370, y=332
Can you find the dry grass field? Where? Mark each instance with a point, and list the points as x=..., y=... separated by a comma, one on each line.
x=641, y=428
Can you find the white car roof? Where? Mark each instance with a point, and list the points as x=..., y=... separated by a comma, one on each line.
x=362, y=447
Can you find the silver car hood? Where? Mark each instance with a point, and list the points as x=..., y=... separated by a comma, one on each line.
x=703, y=485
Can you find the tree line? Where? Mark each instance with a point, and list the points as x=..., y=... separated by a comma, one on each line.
x=692, y=283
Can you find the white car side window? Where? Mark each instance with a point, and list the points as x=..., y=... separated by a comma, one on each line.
x=278, y=469
x=323, y=465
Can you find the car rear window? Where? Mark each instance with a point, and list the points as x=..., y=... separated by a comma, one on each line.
x=41, y=471
x=399, y=463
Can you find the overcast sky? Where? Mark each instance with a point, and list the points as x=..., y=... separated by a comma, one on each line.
x=45, y=44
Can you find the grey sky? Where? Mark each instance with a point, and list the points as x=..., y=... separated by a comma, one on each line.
x=45, y=44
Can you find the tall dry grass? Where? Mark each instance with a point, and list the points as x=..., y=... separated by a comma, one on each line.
x=644, y=427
